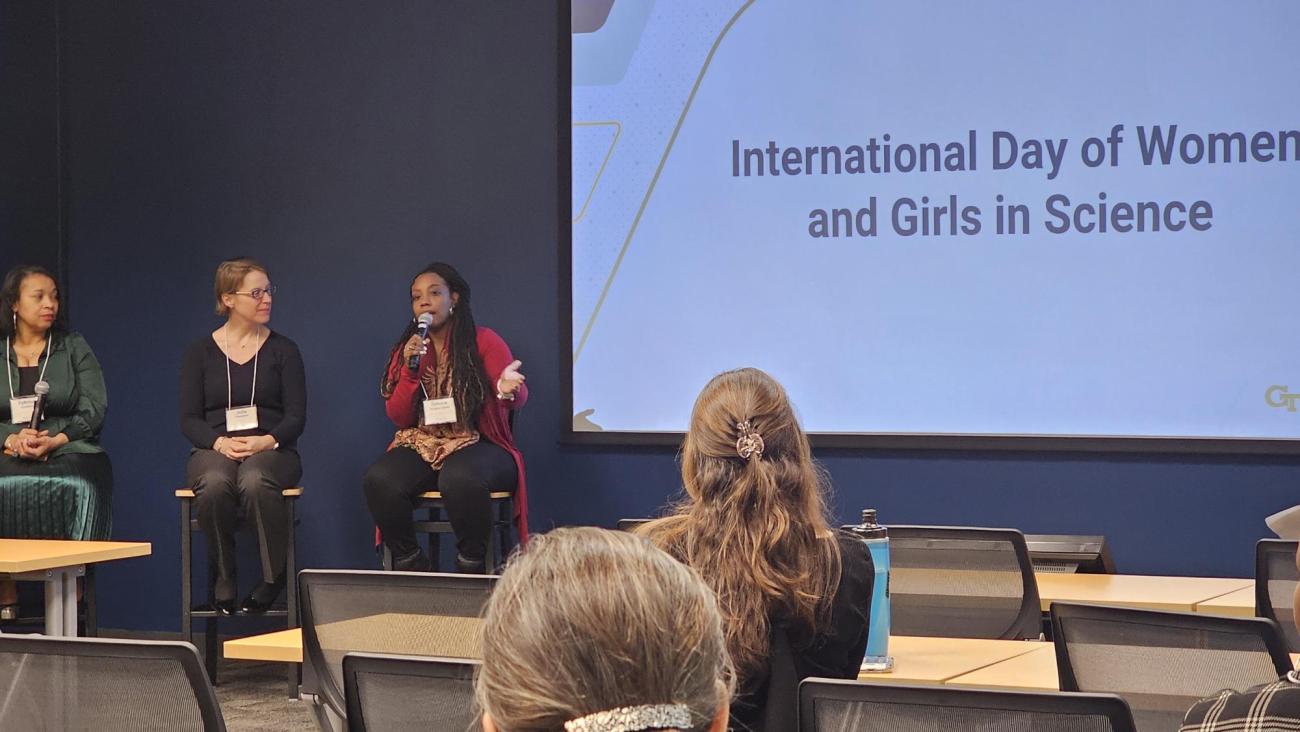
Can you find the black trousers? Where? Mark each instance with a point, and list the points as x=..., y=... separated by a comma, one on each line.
x=223, y=488
x=467, y=476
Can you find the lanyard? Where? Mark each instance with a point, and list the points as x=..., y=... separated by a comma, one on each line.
x=252, y=396
x=9, y=374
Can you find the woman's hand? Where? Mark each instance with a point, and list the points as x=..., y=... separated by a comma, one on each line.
x=510, y=380
x=30, y=444
x=40, y=446
x=415, y=346
x=245, y=447
x=229, y=448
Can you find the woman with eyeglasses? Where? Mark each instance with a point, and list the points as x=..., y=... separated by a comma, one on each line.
x=243, y=406
x=55, y=480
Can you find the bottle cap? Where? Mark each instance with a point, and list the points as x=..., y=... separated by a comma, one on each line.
x=868, y=516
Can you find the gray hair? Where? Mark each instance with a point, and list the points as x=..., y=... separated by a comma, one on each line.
x=587, y=620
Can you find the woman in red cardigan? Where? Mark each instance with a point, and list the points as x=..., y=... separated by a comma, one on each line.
x=449, y=395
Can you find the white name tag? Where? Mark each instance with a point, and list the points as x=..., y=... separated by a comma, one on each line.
x=439, y=411
x=241, y=418
x=21, y=408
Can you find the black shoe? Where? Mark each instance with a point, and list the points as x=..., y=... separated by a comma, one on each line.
x=223, y=596
x=413, y=562
x=262, y=597
x=465, y=565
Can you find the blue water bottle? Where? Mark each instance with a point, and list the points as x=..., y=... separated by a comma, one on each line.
x=876, y=537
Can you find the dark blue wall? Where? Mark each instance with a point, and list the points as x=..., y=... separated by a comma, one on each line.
x=347, y=144
x=29, y=146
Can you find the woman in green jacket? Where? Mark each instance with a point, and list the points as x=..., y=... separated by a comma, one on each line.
x=55, y=481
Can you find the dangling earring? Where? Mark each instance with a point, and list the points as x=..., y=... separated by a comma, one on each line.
x=451, y=310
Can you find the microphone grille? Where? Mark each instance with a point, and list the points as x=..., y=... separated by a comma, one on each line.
x=425, y=319
x=42, y=388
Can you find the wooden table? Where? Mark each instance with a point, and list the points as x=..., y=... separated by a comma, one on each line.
x=935, y=660
x=1134, y=590
x=1239, y=604
x=1033, y=671
x=58, y=564
x=451, y=637
x=282, y=646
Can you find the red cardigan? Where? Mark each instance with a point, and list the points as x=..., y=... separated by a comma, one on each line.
x=493, y=419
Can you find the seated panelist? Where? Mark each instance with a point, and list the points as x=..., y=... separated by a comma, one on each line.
x=56, y=482
x=243, y=404
x=448, y=386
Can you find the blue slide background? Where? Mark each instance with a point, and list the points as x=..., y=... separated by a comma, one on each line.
x=1154, y=334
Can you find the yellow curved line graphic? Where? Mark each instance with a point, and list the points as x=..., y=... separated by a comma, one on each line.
x=604, y=292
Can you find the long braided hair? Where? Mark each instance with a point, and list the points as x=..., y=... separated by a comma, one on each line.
x=468, y=379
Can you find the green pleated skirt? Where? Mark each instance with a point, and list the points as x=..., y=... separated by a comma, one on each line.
x=67, y=497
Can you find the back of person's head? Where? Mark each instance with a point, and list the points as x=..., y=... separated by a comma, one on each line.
x=599, y=631
x=754, y=524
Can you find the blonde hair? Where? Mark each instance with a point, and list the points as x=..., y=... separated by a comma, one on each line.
x=230, y=275
x=588, y=620
x=753, y=525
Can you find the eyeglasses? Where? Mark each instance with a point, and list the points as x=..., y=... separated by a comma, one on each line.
x=257, y=293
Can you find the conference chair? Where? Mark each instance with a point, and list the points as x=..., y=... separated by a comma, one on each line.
x=1162, y=662
x=407, y=613
x=381, y=692
x=1275, y=582
x=631, y=524
x=434, y=524
x=211, y=647
x=51, y=683
x=958, y=582
x=835, y=705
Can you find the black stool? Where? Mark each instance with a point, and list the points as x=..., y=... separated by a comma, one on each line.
x=211, y=652
x=500, y=540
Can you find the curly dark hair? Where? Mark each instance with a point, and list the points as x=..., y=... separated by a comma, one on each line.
x=468, y=378
x=9, y=292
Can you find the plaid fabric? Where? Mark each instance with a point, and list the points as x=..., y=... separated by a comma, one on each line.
x=1272, y=707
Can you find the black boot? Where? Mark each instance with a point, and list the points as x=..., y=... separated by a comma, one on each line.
x=263, y=596
x=465, y=565
x=413, y=562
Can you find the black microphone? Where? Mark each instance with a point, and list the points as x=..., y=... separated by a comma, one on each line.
x=38, y=409
x=421, y=329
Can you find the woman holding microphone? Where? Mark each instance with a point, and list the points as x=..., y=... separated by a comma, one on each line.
x=449, y=393
x=55, y=480
x=243, y=401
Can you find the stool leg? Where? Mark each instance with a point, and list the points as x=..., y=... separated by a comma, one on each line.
x=92, y=609
x=435, y=541
x=210, y=649
x=291, y=580
x=186, y=550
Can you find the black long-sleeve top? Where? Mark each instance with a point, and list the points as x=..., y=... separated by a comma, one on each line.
x=281, y=392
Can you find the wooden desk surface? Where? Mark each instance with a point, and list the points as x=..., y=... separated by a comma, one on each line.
x=284, y=646
x=1133, y=590
x=422, y=635
x=1239, y=604
x=935, y=660
x=32, y=555
x=1033, y=671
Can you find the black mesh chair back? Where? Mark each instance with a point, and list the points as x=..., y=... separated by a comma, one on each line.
x=92, y=684
x=1275, y=581
x=402, y=613
x=387, y=693
x=835, y=705
x=1162, y=662
x=957, y=582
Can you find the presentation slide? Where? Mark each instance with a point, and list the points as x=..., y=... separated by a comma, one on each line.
x=1040, y=218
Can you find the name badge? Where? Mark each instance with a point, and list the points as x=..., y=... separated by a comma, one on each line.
x=21, y=408
x=241, y=418
x=439, y=411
